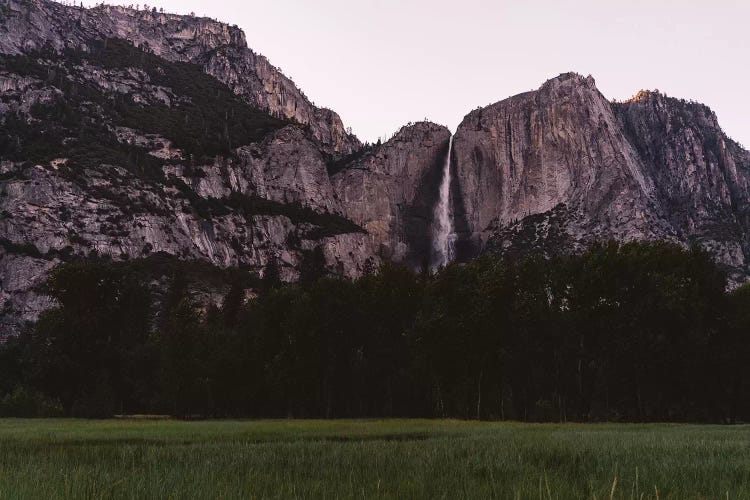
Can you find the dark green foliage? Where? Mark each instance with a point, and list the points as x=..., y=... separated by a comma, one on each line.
x=207, y=120
x=312, y=268
x=26, y=249
x=30, y=250
x=85, y=351
x=161, y=265
x=182, y=370
x=633, y=332
x=96, y=352
x=22, y=402
x=11, y=365
x=325, y=224
x=338, y=164
x=271, y=275
x=729, y=366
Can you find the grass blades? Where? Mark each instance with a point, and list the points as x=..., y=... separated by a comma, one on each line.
x=370, y=459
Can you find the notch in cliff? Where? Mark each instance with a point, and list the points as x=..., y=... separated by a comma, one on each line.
x=392, y=190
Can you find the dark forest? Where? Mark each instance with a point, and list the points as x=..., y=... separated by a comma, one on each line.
x=623, y=332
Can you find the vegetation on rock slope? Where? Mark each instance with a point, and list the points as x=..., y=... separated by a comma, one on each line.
x=205, y=120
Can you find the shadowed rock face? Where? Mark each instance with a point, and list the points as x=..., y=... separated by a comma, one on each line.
x=391, y=191
x=652, y=168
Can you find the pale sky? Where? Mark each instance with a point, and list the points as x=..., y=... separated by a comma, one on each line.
x=383, y=63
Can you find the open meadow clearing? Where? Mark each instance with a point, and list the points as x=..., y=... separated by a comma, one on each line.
x=142, y=459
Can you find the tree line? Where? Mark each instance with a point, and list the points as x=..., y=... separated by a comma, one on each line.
x=623, y=332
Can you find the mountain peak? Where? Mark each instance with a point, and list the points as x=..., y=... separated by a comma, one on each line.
x=654, y=168
x=642, y=95
x=570, y=78
x=220, y=49
x=424, y=126
x=33, y=25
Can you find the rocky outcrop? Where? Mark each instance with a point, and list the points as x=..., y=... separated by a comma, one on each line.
x=391, y=191
x=701, y=176
x=560, y=145
x=33, y=25
x=563, y=160
x=286, y=167
x=47, y=217
x=251, y=76
x=79, y=177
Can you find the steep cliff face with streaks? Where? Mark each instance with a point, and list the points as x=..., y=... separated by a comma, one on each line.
x=391, y=191
x=561, y=167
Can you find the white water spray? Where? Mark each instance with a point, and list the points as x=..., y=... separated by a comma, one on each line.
x=443, y=237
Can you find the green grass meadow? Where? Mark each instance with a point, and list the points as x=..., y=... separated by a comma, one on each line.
x=409, y=459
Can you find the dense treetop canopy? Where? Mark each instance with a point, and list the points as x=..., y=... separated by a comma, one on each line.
x=641, y=331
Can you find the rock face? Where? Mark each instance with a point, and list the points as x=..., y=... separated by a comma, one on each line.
x=30, y=25
x=254, y=78
x=562, y=167
x=86, y=170
x=391, y=191
x=48, y=217
x=127, y=134
x=701, y=176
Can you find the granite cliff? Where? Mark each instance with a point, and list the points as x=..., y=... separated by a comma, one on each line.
x=221, y=50
x=561, y=167
x=391, y=190
x=129, y=134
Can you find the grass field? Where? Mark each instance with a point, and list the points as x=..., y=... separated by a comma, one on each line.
x=369, y=459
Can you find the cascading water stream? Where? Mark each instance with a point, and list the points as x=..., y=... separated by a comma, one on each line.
x=443, y=237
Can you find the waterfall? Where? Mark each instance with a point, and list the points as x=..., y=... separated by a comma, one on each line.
x=443, y=237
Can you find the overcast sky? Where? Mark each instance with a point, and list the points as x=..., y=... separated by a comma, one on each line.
x=383, y=63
